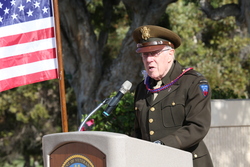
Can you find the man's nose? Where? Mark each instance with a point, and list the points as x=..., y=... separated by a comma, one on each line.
x=149, y=58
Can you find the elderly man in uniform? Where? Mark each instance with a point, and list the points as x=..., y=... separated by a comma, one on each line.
x=172, y=103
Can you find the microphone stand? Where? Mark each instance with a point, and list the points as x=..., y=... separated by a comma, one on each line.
x=106, y=101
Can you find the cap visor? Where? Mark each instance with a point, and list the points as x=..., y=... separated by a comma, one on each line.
x=150, y=48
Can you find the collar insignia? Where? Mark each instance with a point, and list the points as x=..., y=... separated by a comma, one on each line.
x=145, y=33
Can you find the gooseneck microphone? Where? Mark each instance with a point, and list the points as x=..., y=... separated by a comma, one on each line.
x=113, y=102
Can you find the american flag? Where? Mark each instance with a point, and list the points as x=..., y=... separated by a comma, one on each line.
x=27, y=43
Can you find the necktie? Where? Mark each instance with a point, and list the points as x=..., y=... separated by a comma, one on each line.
x=158, y=85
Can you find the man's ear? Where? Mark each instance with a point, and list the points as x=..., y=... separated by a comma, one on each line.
x=171, y=55
x=171, y=52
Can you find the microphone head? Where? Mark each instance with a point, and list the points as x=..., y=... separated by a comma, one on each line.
x=126, y=86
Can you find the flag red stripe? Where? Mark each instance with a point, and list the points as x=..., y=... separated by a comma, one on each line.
x=27, y=58
x=27, y=79
x=27, y=37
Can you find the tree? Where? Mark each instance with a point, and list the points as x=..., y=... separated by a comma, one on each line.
x=240, y=11
x=91, y=72
x=27, y=113
x=213, y=48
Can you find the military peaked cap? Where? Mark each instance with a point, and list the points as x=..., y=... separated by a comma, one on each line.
x=150, y=38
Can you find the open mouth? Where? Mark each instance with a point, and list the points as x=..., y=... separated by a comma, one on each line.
x=151, y=67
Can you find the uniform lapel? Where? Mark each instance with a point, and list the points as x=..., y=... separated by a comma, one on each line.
x=164, y=93
x=175, y=71
x=149, y=98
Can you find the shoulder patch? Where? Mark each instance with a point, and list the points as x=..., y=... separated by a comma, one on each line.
x=204, y=87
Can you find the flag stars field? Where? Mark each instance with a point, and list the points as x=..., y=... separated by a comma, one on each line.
x=14, y=16
x=37, y=5
x=30, y=13
x=45, y=10
x=6, y=11
x=21, y=8
x=13, y=2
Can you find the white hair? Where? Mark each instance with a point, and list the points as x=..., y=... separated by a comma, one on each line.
x=169, y=47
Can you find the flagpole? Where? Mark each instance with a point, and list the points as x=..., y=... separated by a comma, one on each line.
x=61, y=69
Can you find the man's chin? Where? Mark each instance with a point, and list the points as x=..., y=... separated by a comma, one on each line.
x=152, y=75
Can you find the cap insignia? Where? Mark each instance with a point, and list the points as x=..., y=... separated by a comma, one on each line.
x=145, y=33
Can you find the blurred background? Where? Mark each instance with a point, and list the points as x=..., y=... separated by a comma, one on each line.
x=99, y=55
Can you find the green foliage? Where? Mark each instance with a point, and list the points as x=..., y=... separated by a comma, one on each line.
x=215, y=3
x=212, y=48
x=219, y=93
x=26, y=114
x=121, y=119
x=116, y=26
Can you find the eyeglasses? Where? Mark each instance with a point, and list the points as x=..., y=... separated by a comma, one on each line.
x=156, y=53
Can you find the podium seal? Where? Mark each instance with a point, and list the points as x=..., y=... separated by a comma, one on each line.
x=77, y=160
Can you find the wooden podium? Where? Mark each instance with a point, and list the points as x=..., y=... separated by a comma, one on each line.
x=106, y=149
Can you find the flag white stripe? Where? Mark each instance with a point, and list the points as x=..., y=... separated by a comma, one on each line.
x=27, y=27
x=26, y=69
x=27, y=47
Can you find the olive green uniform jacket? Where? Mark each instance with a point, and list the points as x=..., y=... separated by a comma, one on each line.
x=180, y=115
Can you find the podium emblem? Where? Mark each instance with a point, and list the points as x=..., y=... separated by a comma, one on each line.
x=77, y=160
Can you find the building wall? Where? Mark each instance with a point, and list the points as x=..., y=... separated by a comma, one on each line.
x=229, y=137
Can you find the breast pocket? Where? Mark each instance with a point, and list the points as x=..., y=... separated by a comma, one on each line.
x=173, y=113
x=140, y=106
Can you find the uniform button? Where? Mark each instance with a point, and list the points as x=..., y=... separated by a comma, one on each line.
x=151, y=120
x=152, y=109
x=195, y=155
x=173, y=103
x=151, y=132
